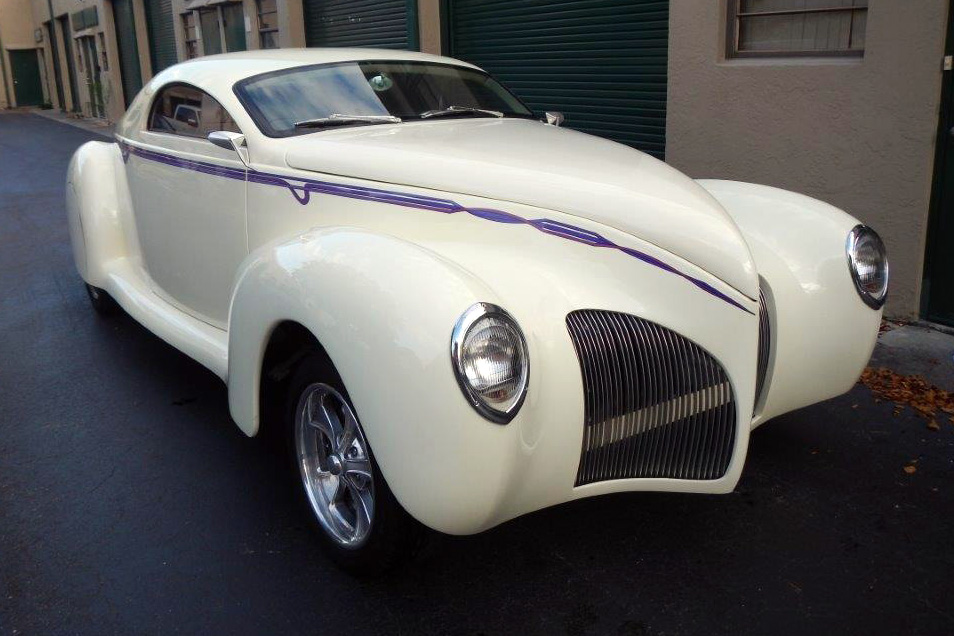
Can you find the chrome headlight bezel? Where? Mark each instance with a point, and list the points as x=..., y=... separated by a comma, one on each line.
x=471, y=318
x=875, y=300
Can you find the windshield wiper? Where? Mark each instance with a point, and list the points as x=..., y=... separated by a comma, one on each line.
x=337, y=119
x=460, y=110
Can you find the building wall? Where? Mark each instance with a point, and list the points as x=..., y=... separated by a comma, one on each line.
x=429, y=25
x=858, y=133
x=104, y=33
x=16, y=32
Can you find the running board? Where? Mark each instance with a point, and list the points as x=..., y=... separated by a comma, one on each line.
x=200, y=341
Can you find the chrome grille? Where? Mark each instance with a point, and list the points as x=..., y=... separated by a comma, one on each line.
x=656, y=404
x=765, y=347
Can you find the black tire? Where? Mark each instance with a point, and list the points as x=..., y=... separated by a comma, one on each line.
x=394, y=536
x=102, y=302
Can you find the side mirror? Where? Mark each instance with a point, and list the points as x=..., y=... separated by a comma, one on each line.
x=230, y=141
x=554, y=118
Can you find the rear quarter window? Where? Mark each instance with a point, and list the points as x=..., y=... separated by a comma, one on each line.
x=180, y=109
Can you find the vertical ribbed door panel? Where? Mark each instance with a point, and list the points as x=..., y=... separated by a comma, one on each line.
x=162, y=37
x=603, y=63
x=376, y=23
x=128, y=49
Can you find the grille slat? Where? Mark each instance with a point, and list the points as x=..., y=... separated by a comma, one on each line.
x=655, y=403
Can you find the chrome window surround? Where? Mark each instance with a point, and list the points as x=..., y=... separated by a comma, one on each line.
x=474, y=313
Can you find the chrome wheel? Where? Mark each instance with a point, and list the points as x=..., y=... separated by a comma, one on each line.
x=335, y=465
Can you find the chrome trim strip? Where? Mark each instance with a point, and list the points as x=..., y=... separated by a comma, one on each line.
x=765, y=348
x=474, y=313
x=853, y=236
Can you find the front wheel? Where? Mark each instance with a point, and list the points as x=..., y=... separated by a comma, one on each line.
x=102, y=302
x=359, y=522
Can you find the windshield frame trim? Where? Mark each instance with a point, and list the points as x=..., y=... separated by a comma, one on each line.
x=261, y=123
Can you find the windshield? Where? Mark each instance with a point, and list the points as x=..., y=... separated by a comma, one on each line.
x=306, y=99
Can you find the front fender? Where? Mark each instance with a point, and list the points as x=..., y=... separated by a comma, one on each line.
x=383, y=309
x=822, y=332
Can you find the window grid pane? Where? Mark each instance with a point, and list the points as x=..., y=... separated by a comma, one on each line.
x=793, y=27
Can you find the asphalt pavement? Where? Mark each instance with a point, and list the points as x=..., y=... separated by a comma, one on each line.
x=130, y=503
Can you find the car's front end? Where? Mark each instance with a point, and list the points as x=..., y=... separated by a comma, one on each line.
x=524, y=315
x=633, y=369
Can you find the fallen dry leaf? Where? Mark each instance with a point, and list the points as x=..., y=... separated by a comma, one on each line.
x=908, y=390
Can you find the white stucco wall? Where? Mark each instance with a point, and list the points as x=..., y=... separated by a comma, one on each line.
x=858, y=133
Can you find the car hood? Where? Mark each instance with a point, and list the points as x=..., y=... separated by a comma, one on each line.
x=533, y=164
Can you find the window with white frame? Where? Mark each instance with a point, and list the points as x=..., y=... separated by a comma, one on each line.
x=267, y=23
x=783, y=28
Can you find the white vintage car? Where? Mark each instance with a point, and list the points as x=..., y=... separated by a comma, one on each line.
x=455, y=310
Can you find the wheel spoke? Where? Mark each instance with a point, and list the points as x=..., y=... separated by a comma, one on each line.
x=341, y=523
x=315, y=417
x=358, y=466
x=333, y=422
x=350, y=431
x=363, y=507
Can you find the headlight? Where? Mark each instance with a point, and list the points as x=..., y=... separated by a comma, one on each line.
x=489, y=355
x=868, y=263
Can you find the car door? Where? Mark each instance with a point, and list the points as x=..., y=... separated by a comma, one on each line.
x=189, y=203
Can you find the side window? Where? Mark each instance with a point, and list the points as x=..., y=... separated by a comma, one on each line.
x=184, y=110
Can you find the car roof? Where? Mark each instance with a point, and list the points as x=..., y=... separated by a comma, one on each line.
x=218, y=74
x=233, y=67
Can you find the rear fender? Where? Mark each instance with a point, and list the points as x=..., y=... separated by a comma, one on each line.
x=98, y=208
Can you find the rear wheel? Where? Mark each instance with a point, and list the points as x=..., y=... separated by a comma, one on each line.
x=102, y=302
x=358, y=521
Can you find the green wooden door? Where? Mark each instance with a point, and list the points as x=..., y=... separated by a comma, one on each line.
x=128, y=49
x=25, y=69
x=390, y=24
x=603, y=63
x=162, y=37
x=233, y=21
x=211, y=35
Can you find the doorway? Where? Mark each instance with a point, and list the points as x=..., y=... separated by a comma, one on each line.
x=94, y=85
x=68, y=53
x=938, y=293
x=25, y=68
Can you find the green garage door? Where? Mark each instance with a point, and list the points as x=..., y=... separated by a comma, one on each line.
x=601, y=62
x=390, y=24
x=128, y=49
x=162, y=37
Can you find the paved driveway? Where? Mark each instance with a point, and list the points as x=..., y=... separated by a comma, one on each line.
x=130, y=503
